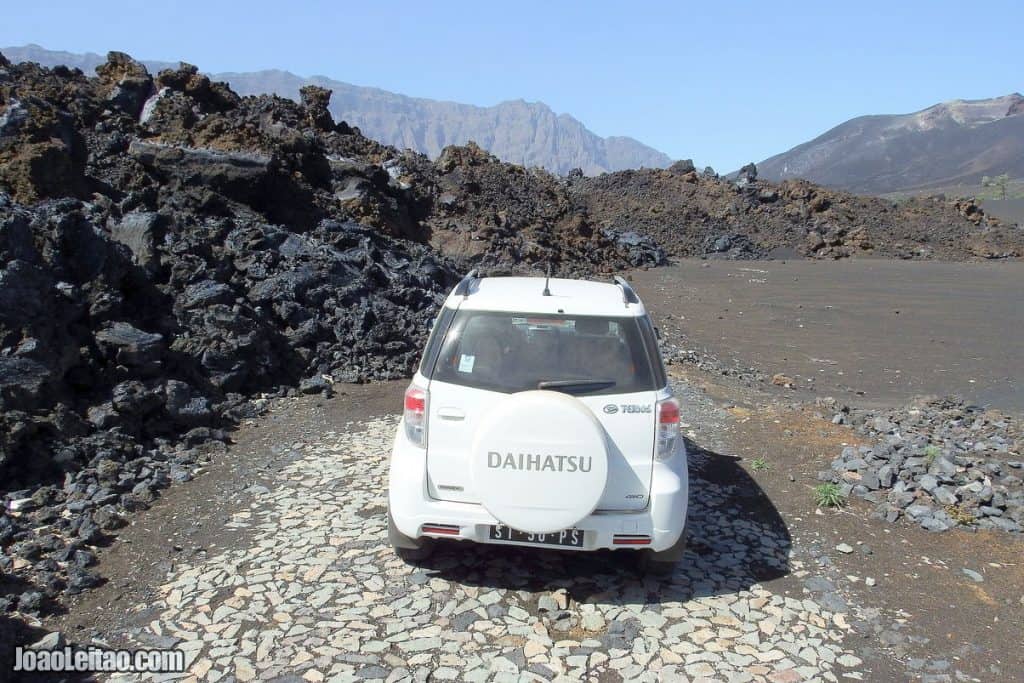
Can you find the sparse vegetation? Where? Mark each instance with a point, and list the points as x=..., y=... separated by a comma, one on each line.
x=1014, y=190
x=828, y=495
x=997, y=184
x=759, y=465
x=931, y=452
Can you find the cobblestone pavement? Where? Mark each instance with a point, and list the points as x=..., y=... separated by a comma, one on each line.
x=313, y=592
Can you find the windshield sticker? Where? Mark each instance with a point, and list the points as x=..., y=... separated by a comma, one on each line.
x=544, y=323
x=466, y=363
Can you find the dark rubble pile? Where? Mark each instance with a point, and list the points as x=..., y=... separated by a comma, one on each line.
x=498, y=215
x=179, y=142
x=114, y=379
x=689, y=213
x=939, y=463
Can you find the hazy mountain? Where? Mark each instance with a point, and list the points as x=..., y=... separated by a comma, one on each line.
x=528, y=133
x=949, y=144
x=86, y=61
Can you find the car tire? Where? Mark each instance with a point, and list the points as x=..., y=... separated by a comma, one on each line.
x=647, y=565
x=411, y=550
x=415, y=555
x=661, y=563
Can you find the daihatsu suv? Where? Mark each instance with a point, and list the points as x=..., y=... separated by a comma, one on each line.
x=540, y=416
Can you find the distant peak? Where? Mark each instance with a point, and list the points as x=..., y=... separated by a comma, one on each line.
x=966, y=112
x=949, y=144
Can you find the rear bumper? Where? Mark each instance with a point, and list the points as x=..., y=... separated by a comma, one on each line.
x=662, y=521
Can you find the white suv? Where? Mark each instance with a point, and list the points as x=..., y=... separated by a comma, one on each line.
x=541, y=415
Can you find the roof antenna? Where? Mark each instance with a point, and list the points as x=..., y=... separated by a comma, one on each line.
x=547, y=290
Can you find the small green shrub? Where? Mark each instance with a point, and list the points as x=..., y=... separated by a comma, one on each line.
x=759, y=465
x=828, y=495
x=931, y=452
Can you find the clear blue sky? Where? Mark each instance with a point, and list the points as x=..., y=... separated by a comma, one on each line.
x=721, y=82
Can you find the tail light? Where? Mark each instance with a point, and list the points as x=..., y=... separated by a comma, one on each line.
x=415, y=415
x=630, y=539
x=668, y=428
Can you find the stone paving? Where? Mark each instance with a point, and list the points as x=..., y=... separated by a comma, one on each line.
x=312, y=592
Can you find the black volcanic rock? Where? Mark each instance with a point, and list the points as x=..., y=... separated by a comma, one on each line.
x=202, y=268
x=130, y=346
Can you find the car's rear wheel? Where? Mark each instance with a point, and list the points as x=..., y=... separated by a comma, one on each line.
x=661, y=563
x=415, y=555
x=411, y=550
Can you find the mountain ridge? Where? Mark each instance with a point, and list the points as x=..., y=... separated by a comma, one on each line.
x=952, y=143
x=518, y=131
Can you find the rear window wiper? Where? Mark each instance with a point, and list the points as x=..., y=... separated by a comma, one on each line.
x=569, y=384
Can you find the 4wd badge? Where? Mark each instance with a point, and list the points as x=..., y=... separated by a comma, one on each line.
x=612, y=408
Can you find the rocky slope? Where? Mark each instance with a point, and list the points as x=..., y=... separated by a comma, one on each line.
x=696, y=214
x=527, y=133
x=948, y=144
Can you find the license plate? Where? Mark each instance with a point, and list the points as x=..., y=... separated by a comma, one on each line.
x=572, y=538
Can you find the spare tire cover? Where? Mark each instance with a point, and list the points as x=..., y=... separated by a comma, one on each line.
x=539, y=461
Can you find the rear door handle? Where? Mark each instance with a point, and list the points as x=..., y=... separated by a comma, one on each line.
x=451, y=414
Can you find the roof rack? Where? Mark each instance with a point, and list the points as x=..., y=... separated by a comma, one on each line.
x=628, y=295
x=462, y=289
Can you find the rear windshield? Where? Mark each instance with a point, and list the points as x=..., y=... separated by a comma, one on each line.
x=511, y=352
